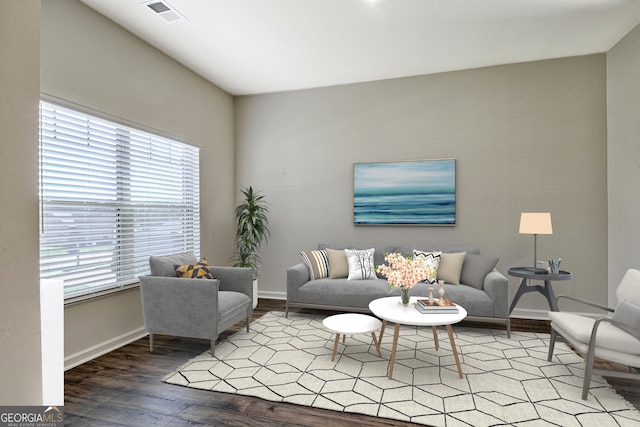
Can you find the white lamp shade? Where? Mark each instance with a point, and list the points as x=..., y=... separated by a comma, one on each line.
x=535, y=223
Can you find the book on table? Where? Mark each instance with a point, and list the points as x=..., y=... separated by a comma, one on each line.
x=437, y=306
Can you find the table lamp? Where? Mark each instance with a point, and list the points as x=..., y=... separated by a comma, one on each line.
x=535, y=223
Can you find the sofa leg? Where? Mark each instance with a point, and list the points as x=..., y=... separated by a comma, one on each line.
x=151, y=343
x=248, y=322
x=286, y=310
x=213, y=348
x=508, y=327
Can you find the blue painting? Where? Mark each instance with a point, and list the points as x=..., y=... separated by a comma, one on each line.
x=405, y=193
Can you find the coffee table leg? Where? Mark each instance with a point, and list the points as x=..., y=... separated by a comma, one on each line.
x=435, y=337
x=376, y=343
x=335, y=347
x=453, y=348
x=396, y=332
x=384, y=325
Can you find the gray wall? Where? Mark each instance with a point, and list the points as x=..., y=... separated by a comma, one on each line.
x=20, y=355
x=623, y=157
x=89, y=60
x=526, y=138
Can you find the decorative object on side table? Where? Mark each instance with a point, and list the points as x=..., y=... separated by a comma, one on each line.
x=252, y=230
x=403, y=272
x=535, y=223
x=554, y=265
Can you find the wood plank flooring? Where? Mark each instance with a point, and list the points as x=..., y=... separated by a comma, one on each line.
x=124, y=388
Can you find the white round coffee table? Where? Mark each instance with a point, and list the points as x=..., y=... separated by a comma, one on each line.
x=352, y=323
x=390, y=309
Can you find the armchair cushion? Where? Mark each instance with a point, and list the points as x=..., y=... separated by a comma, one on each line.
x=578, y=328
x=164, y=265
x=628, y=313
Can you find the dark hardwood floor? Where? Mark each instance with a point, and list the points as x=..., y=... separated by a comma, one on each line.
x=124, y=388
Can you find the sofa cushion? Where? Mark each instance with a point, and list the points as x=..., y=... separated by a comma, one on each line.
x=342, y=292
x=450, y=267
x=199, y=270
x=317, y=263
x=360, y=263
x=431, y=260
x=476, y=268
x=338, y=266
x=163, y=265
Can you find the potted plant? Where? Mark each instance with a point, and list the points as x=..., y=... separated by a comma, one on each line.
x=252, y=230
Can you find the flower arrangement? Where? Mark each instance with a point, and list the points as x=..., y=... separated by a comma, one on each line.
x=404, y=272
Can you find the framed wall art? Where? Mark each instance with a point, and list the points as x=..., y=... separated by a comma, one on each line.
x=421, y=192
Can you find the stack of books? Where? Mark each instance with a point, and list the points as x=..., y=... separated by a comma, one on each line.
x=445, y=306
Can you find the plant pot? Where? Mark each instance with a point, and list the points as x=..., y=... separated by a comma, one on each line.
x=255, y=293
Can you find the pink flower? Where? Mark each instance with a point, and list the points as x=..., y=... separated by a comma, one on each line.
x=404, y=272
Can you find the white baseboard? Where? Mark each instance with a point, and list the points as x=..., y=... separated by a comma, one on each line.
x=103, y=348
x=272, y=295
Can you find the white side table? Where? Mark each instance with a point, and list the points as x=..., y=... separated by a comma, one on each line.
x=352, y=323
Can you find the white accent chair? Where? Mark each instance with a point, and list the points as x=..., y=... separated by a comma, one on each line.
x=613, y=337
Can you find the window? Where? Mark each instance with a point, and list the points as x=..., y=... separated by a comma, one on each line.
x=110, y=196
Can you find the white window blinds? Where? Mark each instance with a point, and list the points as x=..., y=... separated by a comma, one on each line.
x=111, y=196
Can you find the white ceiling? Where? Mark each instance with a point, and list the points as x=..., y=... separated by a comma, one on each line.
x=260, y=46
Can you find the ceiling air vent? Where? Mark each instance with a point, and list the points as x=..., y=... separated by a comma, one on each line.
x=164, y=9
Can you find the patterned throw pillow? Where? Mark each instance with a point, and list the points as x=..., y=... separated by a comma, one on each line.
x=360, y=264
x=431, y=260
x=317, y=263
x=199, y=270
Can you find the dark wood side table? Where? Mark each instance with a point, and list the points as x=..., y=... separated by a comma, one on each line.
x=545, y=290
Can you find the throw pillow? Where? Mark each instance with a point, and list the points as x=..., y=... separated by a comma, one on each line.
x=450, y=267
x=628, y=313
x=476, y=268
x=431, y=260
x=199, y=270
x=317, y=263
x=338, y=266
x=360, y=263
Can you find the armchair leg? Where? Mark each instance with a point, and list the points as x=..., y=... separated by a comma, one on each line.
x=151, y=343
x=587, y=374
x=552, y=343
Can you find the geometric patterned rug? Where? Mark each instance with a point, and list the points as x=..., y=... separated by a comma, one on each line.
x=506, y=380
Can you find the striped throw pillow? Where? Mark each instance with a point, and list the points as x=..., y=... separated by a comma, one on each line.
x=317, y=263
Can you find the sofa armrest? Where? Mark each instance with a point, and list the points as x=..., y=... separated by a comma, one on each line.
x=297, y=276
x=236, y=279
x=182, y=307
x=497, y=287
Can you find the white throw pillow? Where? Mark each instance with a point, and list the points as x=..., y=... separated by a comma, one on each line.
x=360, y=264
x=431, y=260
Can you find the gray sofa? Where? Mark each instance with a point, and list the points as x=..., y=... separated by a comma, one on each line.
x=194, y=308
x=483, y=291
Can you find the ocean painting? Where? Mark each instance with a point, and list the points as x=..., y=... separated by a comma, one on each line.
x=405, y=193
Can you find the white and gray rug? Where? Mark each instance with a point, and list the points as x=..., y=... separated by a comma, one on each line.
x=506, y=381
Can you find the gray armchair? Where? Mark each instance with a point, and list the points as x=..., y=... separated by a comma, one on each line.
x=194, y=308
x=615, y=338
